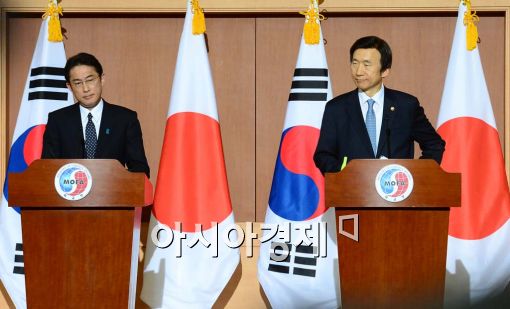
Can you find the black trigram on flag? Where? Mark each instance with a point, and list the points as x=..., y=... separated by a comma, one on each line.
x=296, y=260
x=47, y=83
x=19, y=267
x=309, y=85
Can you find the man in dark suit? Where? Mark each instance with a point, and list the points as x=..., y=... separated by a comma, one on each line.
x=93, y=128
x=373, y=121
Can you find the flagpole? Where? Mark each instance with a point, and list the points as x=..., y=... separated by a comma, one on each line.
x=3, y=97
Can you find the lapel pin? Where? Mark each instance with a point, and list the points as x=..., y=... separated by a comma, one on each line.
x=392, y=108
x=107, y=131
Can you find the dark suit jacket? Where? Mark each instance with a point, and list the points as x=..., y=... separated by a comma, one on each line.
x=344, y=134
x=120, y=137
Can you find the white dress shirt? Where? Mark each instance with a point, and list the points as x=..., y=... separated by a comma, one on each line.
x=378, y=109
x=97, y=112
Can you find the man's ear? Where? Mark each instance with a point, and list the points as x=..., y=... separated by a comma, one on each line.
x=385, y=73
x=69, y=86
x=102, y=79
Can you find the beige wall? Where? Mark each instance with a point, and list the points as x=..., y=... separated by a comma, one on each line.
x=252, y=59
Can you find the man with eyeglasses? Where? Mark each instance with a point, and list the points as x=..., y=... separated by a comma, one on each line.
x=93, y=128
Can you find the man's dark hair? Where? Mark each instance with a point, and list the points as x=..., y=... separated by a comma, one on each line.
x=377, y=43
x=82, y=59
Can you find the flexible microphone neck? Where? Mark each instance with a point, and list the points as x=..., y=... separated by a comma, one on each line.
x=388, y=140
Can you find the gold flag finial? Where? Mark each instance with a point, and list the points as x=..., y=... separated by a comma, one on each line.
x=470, y=20
x=54, y=29
x=198, y=24
x=311, y=29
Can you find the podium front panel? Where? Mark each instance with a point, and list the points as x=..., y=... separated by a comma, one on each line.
x=399, y=260
x=79, y=258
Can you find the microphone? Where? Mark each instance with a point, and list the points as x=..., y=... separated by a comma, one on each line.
x=83, y=149
x=388, y=135
x=388, y=143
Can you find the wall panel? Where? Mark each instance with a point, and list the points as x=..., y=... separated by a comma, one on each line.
x=138, y=57
x=421, y=46
x=278, y=42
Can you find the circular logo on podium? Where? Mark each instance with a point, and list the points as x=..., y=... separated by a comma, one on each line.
x=394, y=183
x=73, y=181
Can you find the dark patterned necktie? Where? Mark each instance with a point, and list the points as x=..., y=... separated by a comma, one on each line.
x=90, y=138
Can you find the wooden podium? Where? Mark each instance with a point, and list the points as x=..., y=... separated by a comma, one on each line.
x=392, y=254
x=81, y=253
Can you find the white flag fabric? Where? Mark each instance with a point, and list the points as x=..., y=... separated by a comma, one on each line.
x=45, y=91
x=189, y=269
x=478, y=259
x=297, y=274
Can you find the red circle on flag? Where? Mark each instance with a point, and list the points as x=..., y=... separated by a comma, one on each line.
x=473, y=149
x=192, y=181
x=32, y=148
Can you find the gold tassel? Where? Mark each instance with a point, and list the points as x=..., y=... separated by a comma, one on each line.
x=470, y=20
x=198, y=25
x=311, y=29
x=54, y=29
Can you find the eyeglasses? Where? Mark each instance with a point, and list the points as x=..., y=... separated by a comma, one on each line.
x=89, y=82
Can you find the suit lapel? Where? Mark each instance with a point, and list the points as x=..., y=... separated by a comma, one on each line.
x=104, y=130
x=357, y=122
x=390, y=107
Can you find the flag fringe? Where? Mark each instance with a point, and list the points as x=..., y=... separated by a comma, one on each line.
x=54, y=28
x=470, y=20
x=198, y=24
